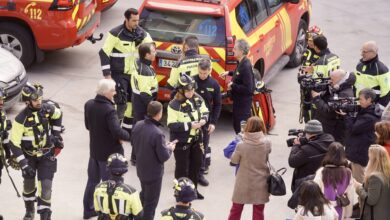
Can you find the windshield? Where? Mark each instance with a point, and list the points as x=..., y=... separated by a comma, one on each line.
x=175, y=26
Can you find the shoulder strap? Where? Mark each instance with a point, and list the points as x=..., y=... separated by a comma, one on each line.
x=111, y=187
x=187, y=212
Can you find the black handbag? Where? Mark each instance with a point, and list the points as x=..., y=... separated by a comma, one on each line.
x=342, y=200
x=364, y=209
x=276, y=185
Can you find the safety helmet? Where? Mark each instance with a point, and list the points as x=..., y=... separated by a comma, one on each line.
x=186, y=82
x=184, y=190
x=313, y=31
x=3, y=94
x=117, y=164
x=31, y=92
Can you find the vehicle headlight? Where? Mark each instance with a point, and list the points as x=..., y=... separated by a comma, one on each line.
x=3, y=85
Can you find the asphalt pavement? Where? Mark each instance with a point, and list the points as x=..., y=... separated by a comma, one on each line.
x=69, y=76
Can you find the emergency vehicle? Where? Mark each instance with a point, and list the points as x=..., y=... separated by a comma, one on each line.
x=29, y=27
x=275, y=29
x=104, y=5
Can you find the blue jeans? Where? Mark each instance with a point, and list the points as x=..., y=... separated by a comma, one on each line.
x=97, y=171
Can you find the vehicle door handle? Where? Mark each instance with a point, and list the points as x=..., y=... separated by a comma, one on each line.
x=277, y=23
x=261, y=37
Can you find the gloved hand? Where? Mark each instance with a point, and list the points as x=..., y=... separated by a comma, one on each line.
x=28, y=172
x=58, y=145
x=13, y=163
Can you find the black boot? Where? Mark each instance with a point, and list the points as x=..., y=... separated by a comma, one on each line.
x=202, y=180
x=30, y=210
x=199, y=196
x=45, y=215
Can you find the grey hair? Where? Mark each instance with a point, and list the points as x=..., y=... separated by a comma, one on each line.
x=243, y=45
x=204, y=64
x=368, y=93
x=372, y=45
x=104, y=86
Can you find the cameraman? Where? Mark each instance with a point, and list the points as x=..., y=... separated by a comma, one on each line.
x=308, y=151
x=340, y=87
x=361, y=132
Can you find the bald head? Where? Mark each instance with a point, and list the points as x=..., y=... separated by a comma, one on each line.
x=337, y=76
x=369, y=50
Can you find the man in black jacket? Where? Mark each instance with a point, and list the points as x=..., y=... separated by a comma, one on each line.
x=242, y=85
x=151, y=152
x=208, y=88
x=340, y=87
x=105, y=138
x=307, y=152
x=361, y=132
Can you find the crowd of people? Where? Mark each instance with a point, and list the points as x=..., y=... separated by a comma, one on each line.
x=342, y=153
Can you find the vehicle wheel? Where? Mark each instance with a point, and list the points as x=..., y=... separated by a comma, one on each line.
x=17, y=40
x=300, y=46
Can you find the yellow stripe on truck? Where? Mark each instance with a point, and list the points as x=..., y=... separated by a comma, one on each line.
x=218, y=68
x=254, y=37
x=287, y=27
x=74, y=13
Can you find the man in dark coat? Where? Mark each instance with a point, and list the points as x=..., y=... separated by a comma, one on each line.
x=151, y=152
x=242, y=85
x=307, y=153
x=105, y=138
x=361, y=132
x=341, y=87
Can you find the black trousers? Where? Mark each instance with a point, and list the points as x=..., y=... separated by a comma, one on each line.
x=188, y=161
x=45, y=168
x=206, y=158
x=123, y=92
x=150, y=195
x=241, y=112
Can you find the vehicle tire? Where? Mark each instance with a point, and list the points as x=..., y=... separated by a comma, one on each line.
x=300, y=46
x=17, y=40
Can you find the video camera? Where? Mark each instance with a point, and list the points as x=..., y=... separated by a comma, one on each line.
x=309, y=83
x=299, y=133
x=347, y=105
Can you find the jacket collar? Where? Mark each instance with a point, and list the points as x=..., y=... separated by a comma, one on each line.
x=253, y=138
x=375, y=59
x=323, y=52
x=100, y=98
x=151, y=120
x=146, y=62
x=190, y=52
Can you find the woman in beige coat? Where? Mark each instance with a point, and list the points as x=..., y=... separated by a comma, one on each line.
x=251, y=180
x=375, y=193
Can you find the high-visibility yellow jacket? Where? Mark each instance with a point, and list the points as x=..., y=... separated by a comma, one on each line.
x=181, y=212
x=326, y=63
x=375, y=75
x=120, y=50
x=181, y=114
x=31, y=131
x=117, y=200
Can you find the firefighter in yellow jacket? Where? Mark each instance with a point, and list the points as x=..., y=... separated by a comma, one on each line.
x=118, y=57
x=188, y=63
x=187, y=113
x=35, y=143
x=372, y=73
x=327, y=61
x=113, y=199
x=184, y=193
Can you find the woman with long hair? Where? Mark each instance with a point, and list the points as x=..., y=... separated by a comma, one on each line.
x=335, y=179
x=313, y=205
x=251, y=179
x=382, y=132
x=374, y=194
